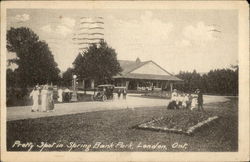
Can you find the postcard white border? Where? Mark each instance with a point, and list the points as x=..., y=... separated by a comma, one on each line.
x=243, y=152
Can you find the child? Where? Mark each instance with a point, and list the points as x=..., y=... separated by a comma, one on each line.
x=194, y=102
x=185, y=101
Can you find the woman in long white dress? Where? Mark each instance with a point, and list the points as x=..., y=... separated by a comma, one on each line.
x=50, y=99
x=60, y=96
x=35, y=96
x=44, y=94
x=194, y=102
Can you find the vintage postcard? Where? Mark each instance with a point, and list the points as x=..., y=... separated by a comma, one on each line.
x=124, y=81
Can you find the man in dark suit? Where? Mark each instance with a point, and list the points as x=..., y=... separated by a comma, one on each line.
x=200, y=100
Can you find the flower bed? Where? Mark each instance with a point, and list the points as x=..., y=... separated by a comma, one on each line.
x=186, y=122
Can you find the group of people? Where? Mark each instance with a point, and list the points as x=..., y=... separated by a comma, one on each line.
x=42, y=98
x=123, y=92
x=186, y=101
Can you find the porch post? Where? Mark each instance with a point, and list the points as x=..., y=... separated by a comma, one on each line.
x=127, y=83
x=92, y=84
x=171, y=87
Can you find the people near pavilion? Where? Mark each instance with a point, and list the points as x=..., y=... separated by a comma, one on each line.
x=124, y=94
x=119, y=93
x=179, y=100
x=173, y=101
x=185, y=101
x=194, y=102
x=35, y=93
x=200, y=100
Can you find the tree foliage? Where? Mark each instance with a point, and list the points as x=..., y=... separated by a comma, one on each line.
x=34, y=59
x=98, y=63
x=218, y=81
x=67, y=77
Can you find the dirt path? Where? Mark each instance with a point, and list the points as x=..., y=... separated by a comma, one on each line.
x=133, y=101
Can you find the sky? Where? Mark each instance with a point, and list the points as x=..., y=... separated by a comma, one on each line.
x=177, y=40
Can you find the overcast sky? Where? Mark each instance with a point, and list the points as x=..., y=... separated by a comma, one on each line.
x=175, y=39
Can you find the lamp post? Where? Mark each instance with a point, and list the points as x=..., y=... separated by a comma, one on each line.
x=74, y=94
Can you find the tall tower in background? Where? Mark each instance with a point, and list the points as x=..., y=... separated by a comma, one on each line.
x=90, y=30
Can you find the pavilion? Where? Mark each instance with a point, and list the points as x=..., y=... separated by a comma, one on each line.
x=146, y=75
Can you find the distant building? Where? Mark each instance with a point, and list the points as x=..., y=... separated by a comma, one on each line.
x=146, y=75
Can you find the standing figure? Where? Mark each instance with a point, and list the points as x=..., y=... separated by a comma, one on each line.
x=124, y=94
x=119, y=93
x=60, y=95
x=173, y=102
x=189, y=101
x=50, y=99
x=35, y=97
x=44, y=94
x=200, y=100
x=194, y=102
x=185, y=101
x=179, y=101
x=66, y=95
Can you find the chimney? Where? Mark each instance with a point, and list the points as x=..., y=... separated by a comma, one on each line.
x=138, y=60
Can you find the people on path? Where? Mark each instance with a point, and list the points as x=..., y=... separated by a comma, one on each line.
x=60, y=95
x=67, y=95
x=124, y=94
x=194, y=101
x=50, y=99
x=185, y=101
x=119, y=93
x=44, y=95
x=200, y=100
x=173, y=101
x=179, y=100
x=35, y=97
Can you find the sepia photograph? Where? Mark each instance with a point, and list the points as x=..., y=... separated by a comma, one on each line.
x=102, y=78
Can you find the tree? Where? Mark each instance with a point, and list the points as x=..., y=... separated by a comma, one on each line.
x=192, y=81
x=98, y=63
x=218, y=81
x=34, y=59
x=67, y=77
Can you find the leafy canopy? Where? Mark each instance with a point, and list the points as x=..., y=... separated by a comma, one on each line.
x=33, y=57
x=97, y=62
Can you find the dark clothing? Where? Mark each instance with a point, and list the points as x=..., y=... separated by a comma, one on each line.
x=124, y=94
x=200, y=101
x=200, y=98
x=172, y=105
x=119, y=93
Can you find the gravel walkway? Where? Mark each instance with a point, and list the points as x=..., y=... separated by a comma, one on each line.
x=132, y=101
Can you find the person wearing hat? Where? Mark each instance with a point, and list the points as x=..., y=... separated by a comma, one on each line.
x=200, y=100
x=173, y=102
x=44, y=94
x=35, y=96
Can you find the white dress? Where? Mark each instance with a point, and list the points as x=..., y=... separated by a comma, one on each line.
x=60, y=98
x=184, y=101
x=35, y=96
x=44, y=105
x=193, y=104
x=174, y=96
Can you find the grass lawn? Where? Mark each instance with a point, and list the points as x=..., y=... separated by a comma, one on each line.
x=113, y=129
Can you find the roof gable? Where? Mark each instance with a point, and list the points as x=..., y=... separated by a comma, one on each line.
x=128, y=66
x=150, y=68
x=144, y=70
